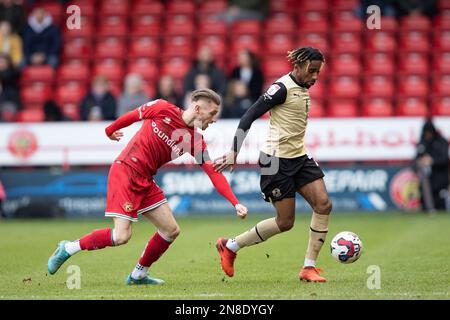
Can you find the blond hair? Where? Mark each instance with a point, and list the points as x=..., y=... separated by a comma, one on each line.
x=206, y=94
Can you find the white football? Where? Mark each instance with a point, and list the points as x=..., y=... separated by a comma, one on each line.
x=346, y=247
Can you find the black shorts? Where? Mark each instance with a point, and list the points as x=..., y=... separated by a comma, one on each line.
x=281, y=177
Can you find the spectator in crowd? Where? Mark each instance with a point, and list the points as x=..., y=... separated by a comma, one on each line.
x=205, y=64
x=9, y=92
x=412, y=7
x=245, y=10
x=238, y=100
x=13, y=13
x=166, y=90
x=432, y=168
x=133, y=95
x=41, y=39
x=2, y=198
x=201, y=81
x=52, y=112
x=8, y=112
x=10, y=43
x=99, y=104
x=249, y=72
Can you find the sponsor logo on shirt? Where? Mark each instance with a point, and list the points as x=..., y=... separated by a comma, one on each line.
x=165, y=138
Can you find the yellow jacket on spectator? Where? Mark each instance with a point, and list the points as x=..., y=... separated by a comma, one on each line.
x=12, y=46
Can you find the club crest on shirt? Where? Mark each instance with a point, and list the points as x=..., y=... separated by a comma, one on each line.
x=167, y=120
x=273, y=89
x=127, y=206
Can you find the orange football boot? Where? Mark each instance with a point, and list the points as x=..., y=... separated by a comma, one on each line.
x=311, y=274
x=227, y=257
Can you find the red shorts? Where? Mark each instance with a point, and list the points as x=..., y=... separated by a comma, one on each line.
x=130, y=193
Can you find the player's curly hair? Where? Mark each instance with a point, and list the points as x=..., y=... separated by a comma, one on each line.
x=301, y=55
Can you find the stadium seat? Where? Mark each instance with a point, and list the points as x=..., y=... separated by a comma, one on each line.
x=114, y=7
x=278, y=44
x=216, y=42
x=54, y=9
x=284, y=6
x=342, y=108
x=441, y=106
x=345, y=64
x=313, y=22
x=146, y=25
x=147, y=7
x=280, y=23
x=417, y=41
x=147, y=68
x=317, y=108
x=345, y=5
x=388, y=24
x=380, y=41
x=43, y=73
x=378, y=86
x=378, y=63
x=77, y=48
x=30, y=115
x=73, y=72
x=412, y=86
x=344, y=87
x=377, y=107
x=86, y=29
x=110, y=68
x=441, y=40
x=68, y=97
x=113, y=26
x=179, y=25
x=415, y=23
x=87, y=7
x=346, y=42
x=441, y=85
x=317, y=5
x=316, y=40
x=212, y=7
x=181, y=7
x=211, y=27
x=441, y=22
x=110, y=48
x=317, y=91
x=250, y=42
x=246, y=27
x=35, y=94
x=177, y=46
x=346, y=21
x=412, y=107
x=176, y=67
x=144, y=47
x=441, y=62
x=276, y=67
x=413, y=63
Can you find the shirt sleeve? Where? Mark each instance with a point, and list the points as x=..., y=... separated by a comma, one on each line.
x=275, y=95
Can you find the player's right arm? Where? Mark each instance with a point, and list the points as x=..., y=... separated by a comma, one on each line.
x=145, y=111
x=274, y=96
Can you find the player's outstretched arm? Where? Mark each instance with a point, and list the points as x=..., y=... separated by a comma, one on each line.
x=275, y=95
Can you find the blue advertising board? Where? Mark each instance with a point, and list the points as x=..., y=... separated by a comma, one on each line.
x=82, y=192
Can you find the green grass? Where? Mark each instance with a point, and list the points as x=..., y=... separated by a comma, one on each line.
x=412, y=251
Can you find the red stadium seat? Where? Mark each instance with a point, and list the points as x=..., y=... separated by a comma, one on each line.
x=377, y=107
x=54, y=9
x=443, y=4
x=417, y=41
x=114, y=7
x=380, y=41
x=110, y=48
x=145, y=47
x=441, y=22
x=412, y=107
x=148, y=69
x=316, y=22
x=109, y=68
x=276, y=67
x=415, y=23
x=87, y=7
x=30, y=115
x=317, y=91
x=388, y=24
x=77, y=48
x=176, y=67
x=284, y=6
x=344, y=87
x=179, y=25
x=177, y=46
x=216, y=42
x=345, y=64
x=346, y=21
x=316, y=40
x=113, y=26
x=342, y=108
x=43, y=73
x=379, y=63
x=413, y=63
x=346, y=42
x=441, y=40
x=441, y=106
x=146, y=25
x=441, y=85
x=212, y=27
x=412, y=86
x=244, y=27
x=278, y=44
x=147, y=7
x=35, y=94
x=212, y=6
x=280, y=23
x=249, y=42
x=441, y=62
x=378, y=86
x=316, y=5
x=181, y=7
x=317, y=109
x=73, y=72
x=347, y=5
x=68, y=98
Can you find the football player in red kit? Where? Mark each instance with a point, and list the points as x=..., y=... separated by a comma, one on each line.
x=166, y=133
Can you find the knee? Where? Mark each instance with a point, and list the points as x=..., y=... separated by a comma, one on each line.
x=121, y=237
x=323, y=207
x=285, y=224
x=173, y=232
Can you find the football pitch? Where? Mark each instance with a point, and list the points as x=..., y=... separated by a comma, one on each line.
x=406, y=256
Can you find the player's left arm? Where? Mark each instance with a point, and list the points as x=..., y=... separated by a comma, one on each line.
x=220, y=182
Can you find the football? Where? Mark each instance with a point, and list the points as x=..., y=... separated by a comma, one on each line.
x=346, y=247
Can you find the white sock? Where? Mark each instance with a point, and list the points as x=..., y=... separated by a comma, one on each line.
x=309, y=263
x=113, y=237
x=232, y=245
x=139, y=272
x=72, y=247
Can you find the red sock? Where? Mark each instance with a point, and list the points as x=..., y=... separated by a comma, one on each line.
x=153, y=250
x=97, y=239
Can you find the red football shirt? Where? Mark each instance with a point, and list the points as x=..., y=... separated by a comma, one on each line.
x=163, y=137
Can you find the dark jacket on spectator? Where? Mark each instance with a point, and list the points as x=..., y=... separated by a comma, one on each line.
x=217, y=76
x=107, y=104
x=255, y=85
x=14, y=14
